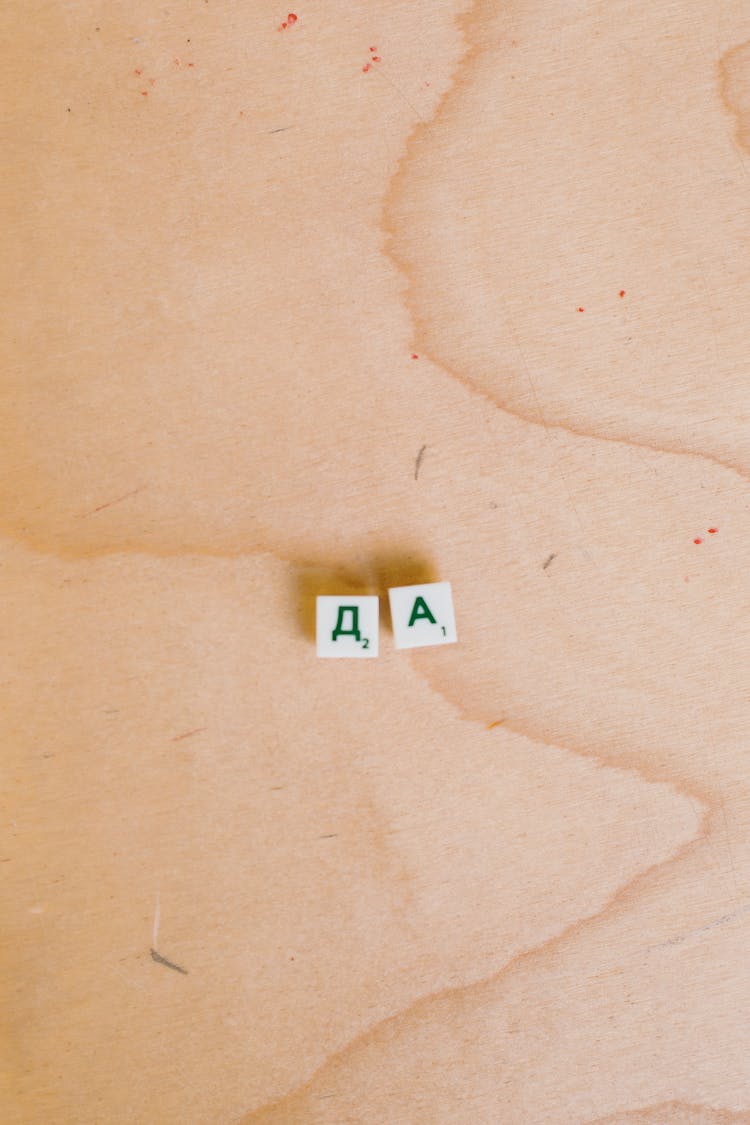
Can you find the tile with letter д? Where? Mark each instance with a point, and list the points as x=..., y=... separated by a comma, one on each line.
x=423, y=615
x=346, y=626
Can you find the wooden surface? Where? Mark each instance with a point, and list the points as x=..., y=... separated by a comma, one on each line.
x=251, y=273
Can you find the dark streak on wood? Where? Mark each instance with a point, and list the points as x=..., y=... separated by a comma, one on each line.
x=170, y=964
x=549, y=560
x=420, y=455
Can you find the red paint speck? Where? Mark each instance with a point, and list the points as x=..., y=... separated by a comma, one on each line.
x=414, y=355
x=581, y=310
x=365, y=68
x=191, y=64
x=376, y=58
x=698, y=540
x=144, y=93
x=138, y=72
x=373, y=50
x=712, y=530
x=622, y=292
x=291, y=18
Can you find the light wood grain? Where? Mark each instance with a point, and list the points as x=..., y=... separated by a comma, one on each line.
x=250, y=273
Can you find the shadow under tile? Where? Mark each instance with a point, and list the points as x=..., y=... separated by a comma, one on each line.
x=319, y=580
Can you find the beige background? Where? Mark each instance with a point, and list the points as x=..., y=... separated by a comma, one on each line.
x=505, y=881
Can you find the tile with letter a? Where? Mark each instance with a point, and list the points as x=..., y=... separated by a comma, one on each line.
x=422, y=615
x=346, y=626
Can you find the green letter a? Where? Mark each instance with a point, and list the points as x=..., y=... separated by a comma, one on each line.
x=421, y=610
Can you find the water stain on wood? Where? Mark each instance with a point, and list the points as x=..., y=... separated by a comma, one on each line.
x=734, y=86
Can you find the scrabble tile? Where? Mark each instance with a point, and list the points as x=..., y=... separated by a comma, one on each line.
x=346, y=626
x=422, y=615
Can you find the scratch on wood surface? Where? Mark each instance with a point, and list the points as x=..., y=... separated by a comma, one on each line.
x=399, y=91
x=549, y=560
x=188, y=734
x=420, y=455
x=723, y=920
x=170, y=964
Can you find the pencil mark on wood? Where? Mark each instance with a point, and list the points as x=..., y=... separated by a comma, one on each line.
x=328, y=836
x=109, y=503
x=420, y=455
x=283, y=129
x=170, y=964
x=549, y=560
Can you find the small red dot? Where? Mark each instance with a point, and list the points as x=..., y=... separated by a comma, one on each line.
x=581, y=310
x=414, y=355
x=376, y=58
x=697, y=540
x=622, y=292
x=712, y=530
x=138, y=72
x=144, y=93
x=373, y=50
x=291, y=18
x=365, y=68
